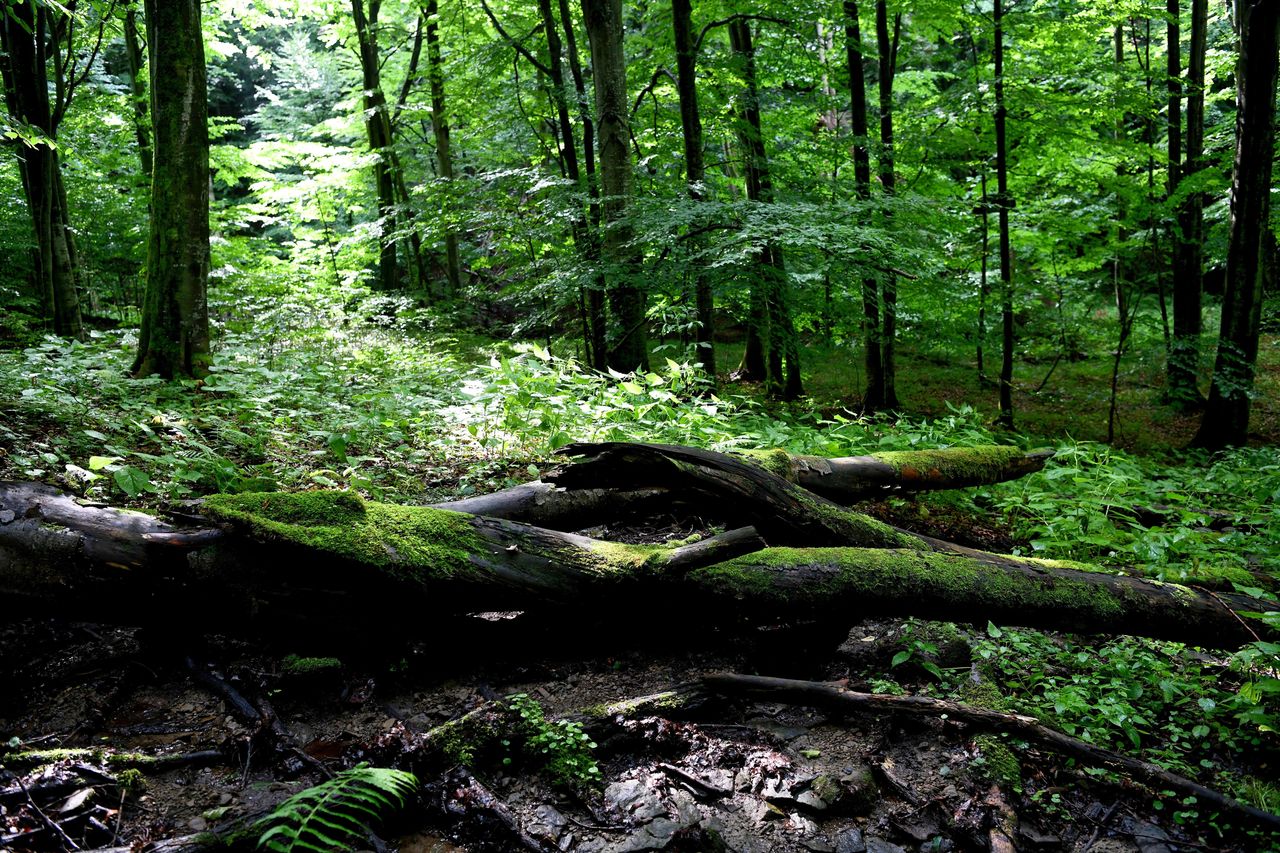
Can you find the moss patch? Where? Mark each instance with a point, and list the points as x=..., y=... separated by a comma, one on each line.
x=962, y=464
x=999, y=764
x=776, y=461
x=621, y=556
x=410, y=542
x=833, y=575
x=296, y=666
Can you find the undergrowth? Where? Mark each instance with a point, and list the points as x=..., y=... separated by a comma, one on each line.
x=326, y=388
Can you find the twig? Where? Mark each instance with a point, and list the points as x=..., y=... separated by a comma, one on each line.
x=45, y=818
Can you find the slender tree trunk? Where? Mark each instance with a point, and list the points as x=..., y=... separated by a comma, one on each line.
x=777, y=336
x=984, y=286
x=695, y=171
x=174, y=340
x=1184, y=354
x=629, y=349
x=137, y=87
x=26, y=30
x=378, y=129
x=887, y=48
x=440, y=128
x=1005, y=202
x=874, y=394
x=1226, y=419
x=596, y=321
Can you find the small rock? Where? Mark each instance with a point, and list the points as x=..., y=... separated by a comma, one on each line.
x=812, y=802
x=199, y=824
x=879, y=845
x=546, y=824
x=225, y=798
x=1149, y=837
x=633, y=798
x=819, y=845
x=850, y=841
x=938, y=844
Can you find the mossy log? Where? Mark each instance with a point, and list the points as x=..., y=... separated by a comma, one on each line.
x=330, y=563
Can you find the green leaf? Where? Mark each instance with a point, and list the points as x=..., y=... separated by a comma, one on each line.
x=900, y=658
x=132, y=481
x=97, y=463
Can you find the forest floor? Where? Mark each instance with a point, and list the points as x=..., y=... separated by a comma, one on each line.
x=744, y=776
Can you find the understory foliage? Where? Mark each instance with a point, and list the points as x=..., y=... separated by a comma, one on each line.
x=337, y=812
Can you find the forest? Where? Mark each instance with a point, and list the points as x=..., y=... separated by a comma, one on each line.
x=473, y=425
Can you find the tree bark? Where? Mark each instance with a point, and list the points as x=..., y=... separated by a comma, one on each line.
x=28, y=41
x=378, y=130
x=887, y=49
x=629, y=346
x=695, y=172
x=174, y=339
x=1005, y=202
x=440, y=129
x=771, y=335
x=874, y=393
x=133, y=49
x=1184, y=350
x=1226, y=419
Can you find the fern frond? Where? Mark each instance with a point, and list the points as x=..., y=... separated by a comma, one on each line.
x=331, y=815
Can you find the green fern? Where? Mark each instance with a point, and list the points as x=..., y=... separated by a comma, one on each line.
x=334, y=813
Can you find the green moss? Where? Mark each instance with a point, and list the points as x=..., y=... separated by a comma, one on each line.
x=983, y=694
x=999, y=764
x=865, y=575
x=410, y=542
x=620, y=556
x=962, y=464
x=856, y=528
x=775, y=461
x=132, y=781
x=303, y=666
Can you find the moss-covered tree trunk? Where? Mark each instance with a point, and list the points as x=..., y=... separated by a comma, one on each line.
x=629, y=341
x=331, y=563
x=174, y=339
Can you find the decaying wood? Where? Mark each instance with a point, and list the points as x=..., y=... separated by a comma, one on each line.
x=833, y=697
x=331, y=564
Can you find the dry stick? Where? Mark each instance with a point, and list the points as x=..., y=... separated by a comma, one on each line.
x=44, y=818
x=826, y=695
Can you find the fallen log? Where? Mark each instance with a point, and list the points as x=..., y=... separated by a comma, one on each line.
x=319, y=563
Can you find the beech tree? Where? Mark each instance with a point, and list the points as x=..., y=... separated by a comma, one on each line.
x=174, y=338
x=1226, y=419
x=42, y=68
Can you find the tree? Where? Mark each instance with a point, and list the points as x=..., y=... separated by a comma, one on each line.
x=135, y=54
x=440, y=129
x=39, y=56
x=1226, y=419
x=377, y=125
x=1004, y=202
x=771, y=335
x=628, y=347
x=1184, y=353
x=694, y=167
x=174, y=338
x=887, y=54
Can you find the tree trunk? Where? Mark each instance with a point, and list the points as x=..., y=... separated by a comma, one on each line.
x=26, y=34
x=378, y=130
x=629, y=347
x=137, y=87
x=1005, y=202
x=887, y=48
x=343, y=566
x=771, y=336
x=1184, y=353
x=1226, y=419
x=440, y=128
x=174, y=340
x=874, y=394
x=596, y=321
x=695, y=172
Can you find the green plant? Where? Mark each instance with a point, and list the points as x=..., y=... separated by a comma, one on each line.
x=331, y=815
x=562, y=745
